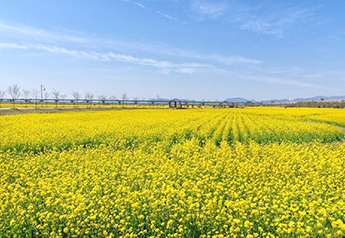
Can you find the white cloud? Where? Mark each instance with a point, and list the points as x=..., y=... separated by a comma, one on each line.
x=166, y=50
x=232, y=59
x=262, y=18
x=165, y=67
x=167, y=16
x=276, y=23
x=187, y=70
x=275, y=80
x=170, y=17
x=6, y=45
x=22, y=31
x=107, y=57
x=292, y=70
x=313, y=76
x=209, y=9
x=136, y=3
x=39, y=36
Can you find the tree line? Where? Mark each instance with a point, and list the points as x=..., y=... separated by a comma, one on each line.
x=15, y=93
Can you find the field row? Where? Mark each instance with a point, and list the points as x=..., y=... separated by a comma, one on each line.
x=37, y=132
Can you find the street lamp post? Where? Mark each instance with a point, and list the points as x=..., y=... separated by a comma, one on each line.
x=42, y=88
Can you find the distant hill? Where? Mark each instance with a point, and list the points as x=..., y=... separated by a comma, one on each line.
x=316, y=98
x=167, y=99
x=275, y=101
x=237, y=99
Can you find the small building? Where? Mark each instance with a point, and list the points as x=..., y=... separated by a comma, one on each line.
x=175, y=103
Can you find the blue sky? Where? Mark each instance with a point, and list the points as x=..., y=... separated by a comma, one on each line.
x=197, y=49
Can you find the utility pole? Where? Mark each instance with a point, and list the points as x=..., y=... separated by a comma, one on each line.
x=42, y=88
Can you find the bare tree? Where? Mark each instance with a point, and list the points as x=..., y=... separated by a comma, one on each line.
x=88, y=98
x=46, y=97
x=2, y=95
x=102, y=99
x=136, y=100
x=113, y=99
x=14, y=92
x=124, y=98
x=76, y=96
x=26, y=95
x=35, y=93
x=56, y=96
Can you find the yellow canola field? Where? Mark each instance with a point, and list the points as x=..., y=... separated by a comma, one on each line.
x=37, y=132
x=50, y=105
x=254, y=172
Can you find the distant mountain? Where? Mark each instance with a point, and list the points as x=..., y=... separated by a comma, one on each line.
x=171, y=99
x=237, y=99
x=275, y=101
x=336, y=98
x=182, y=99
x=316, y=98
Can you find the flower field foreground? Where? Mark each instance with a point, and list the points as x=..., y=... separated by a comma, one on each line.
x=256, y=172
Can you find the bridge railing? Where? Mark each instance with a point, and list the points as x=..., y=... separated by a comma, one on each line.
x=21, y=102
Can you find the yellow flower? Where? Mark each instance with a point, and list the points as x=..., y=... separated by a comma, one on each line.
x=250, y=172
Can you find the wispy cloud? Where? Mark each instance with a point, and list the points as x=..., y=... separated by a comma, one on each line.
x=164, y=67
x=170, y=17
x=187, y=70
x=276, y=23
x=313, y=76
x=231, y=59
x=109, y=57
x=209, y=9
x=292, y=70
x=275, y=80
x=20, y=33
x=15, y=30
x=52, y=49
x=6, y=45
x=263, y=18
x=136, y=3
x=227, y=60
